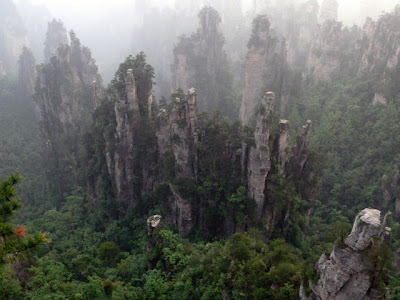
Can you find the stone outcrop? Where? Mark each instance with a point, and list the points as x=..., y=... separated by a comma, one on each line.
x=70, y=74
x=122, y=163
x=200, y=60
x=300, y=36
x=178, y=133
x=265, y=66
x=26, y=74
x=56, y=35
x=284, y=132
x=259, y=162
x=335, y=49
x=374, y=49
x=181, y=212
x=380, y=48
x=64, y=95
x=153, y=226
x=328, y=11
x=366, y=225
x=183, y=122
x=131, y=94
x=300, y=154
x=272, y=153
x=348, y=273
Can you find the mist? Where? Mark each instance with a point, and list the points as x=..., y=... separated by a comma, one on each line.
x=200, y=149
x=104, y=23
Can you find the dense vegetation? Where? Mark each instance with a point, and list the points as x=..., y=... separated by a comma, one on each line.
x=100, y=246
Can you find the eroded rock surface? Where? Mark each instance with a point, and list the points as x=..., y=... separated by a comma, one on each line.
x=56, y=36
x=265, y=65
x=178, y=133
x=260, y=155
x=200, y=60
x=348, y=272
x=65, y=97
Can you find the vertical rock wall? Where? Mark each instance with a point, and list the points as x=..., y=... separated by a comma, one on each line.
x=265, y=65
x=259, y=162
x=56, y=35
x=348, y=272
x=200, y=60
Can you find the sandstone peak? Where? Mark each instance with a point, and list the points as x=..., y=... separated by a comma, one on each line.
x=192, y=91
x=346, y=273
x=154, y=221
x=366, y=225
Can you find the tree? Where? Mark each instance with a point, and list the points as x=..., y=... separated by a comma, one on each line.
x=14, y=240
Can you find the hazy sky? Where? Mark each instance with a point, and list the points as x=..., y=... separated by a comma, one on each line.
x=349, y=10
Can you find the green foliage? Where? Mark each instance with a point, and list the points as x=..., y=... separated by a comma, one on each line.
x=144, y=77
x=13, y=241
x=261, y=26
x=209, y=69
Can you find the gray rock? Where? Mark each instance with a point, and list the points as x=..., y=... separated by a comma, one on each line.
x=259, y=163
x=347, y=273
x=366, y=225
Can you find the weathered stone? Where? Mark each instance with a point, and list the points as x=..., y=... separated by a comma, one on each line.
x=326, y=54
x=27, y=73
x=204, y=48
x=181, y=212
x=259, y=162
x=284, y=133
x=348, y=273
x=153, y=222
x=379, y=99
x=300, y=154
x=366, y=225
x=64, y=95
x=153, y=226
x=127, y=116
x=375, y=52
x=56, y=36
x=184, y=134
x=265, y=64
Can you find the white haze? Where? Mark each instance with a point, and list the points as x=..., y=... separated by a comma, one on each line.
x=83, y=11
x=107, y=26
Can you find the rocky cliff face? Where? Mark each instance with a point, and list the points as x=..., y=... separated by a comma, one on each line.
x=122, y=165
x=335, y=48
x=380, y=48
x=27, y=73
x=131, y=92
x=299, y=31
x=271, y=157
x=177, y=135
x=259, y=162
x=349, y=272
x=56, y=35
x=200, y=60
x=353, y=51
x=265, y=66
x=184, y=134
x=65, y=96
x=12, y=37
